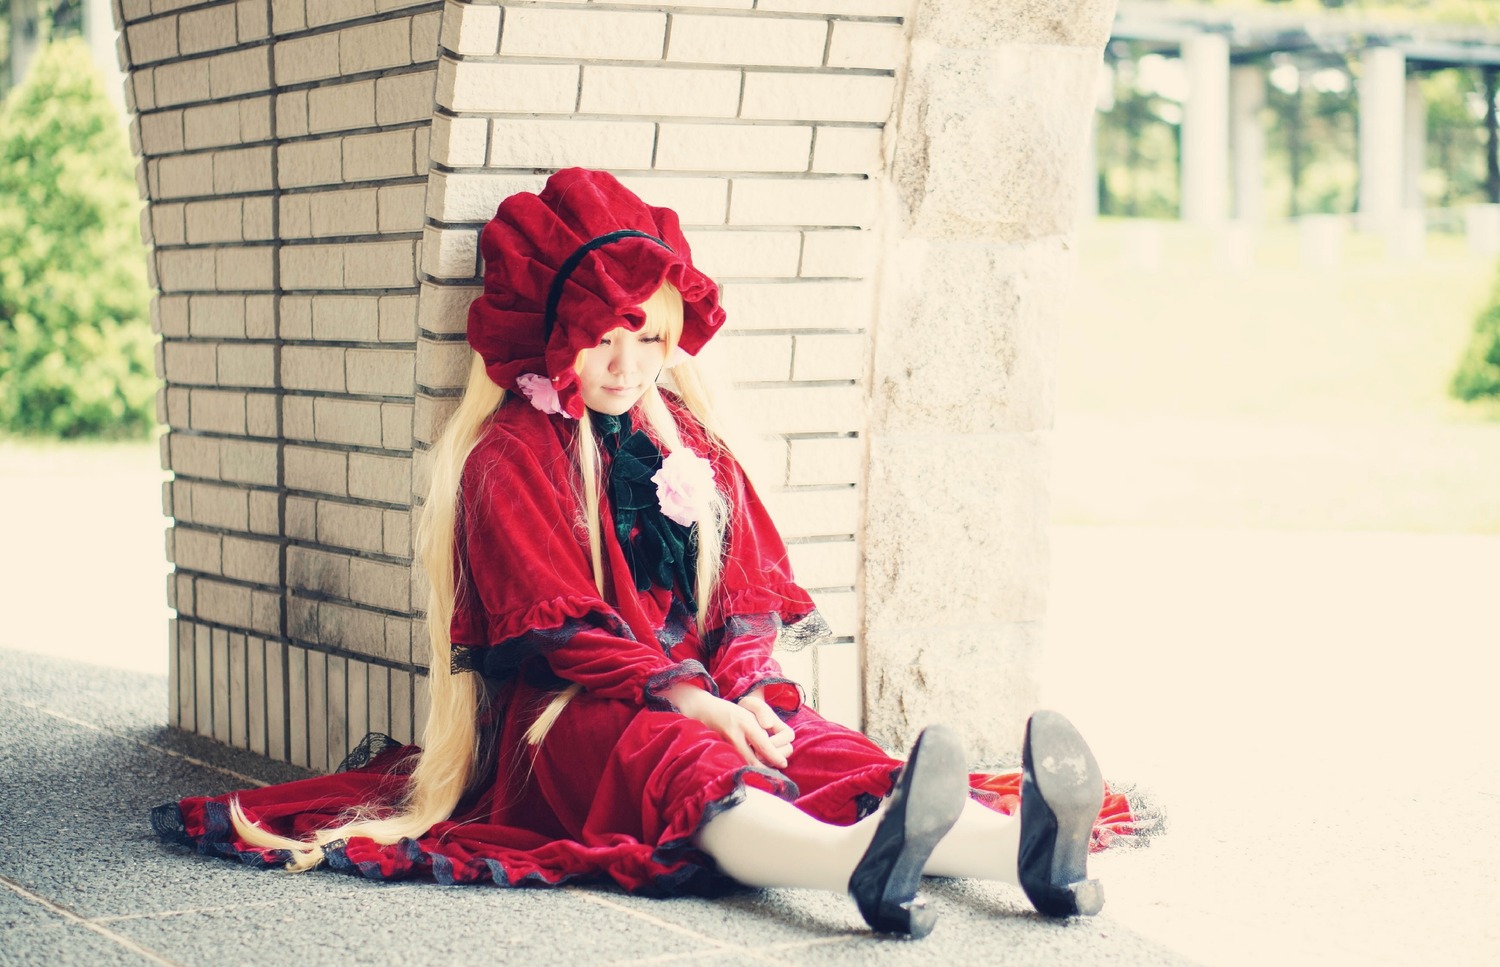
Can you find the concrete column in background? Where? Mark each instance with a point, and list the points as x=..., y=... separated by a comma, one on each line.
x=1247, y=97
x=1205, y=130
x=991, y=132
x=1415, y=159
x=1382, y=145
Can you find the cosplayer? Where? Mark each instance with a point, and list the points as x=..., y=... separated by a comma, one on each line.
x=606, y=592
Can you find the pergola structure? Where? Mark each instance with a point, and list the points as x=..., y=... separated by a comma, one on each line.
x=1226, y=53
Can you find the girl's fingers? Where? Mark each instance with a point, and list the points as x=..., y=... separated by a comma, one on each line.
x=770, y=754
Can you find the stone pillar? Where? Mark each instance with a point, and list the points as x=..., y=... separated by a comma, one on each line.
x=1205, y=130
x=1415, y=160
x=991, y=130
x=1248, y=141
x=1382, y=147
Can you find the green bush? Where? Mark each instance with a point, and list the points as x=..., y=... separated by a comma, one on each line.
x=75, y=339
x=1478, y=375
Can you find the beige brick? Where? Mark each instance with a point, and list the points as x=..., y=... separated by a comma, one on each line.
x=554, y=144
x=291, y=114
x=848, y=150
x=738, y=254
x=422, y=150
x=380, y=265
x=227, y=604
x=213, y=28
x=247, y=365
x=697, y=201
x=828, y=356
x=342, y=626
x=349, y=525
x=265, y=612
x=733, y=147
x=178, y=407
x=195, y=550
x=758, y=359
x=840, y=608
x=223, y=507
x=217, y=316
x=429, y=414
x=837, y=253
x=312, y=267
x=193, y=456
x=162, y=132
x=819, y=512
x=404, y=97
x=586, y=35
x=460, y=142
x=472, y=197
x=265, y=513
x=134, y=10
x=450, y=253
x=248, y=169
x=305, y=59
x=313, y=368
x=143, y=89
x=257, y=219
x=213, y=221
x=425, y=28
x=317, y=469
x=445, y=309
x=507, y=88
x=340, y=107
x=252, y=560
x=245, y=268
x=854, y=43
x=211, y=125
x=167, y=224
x=296, y=215
x=385, y=479
x=261, y=414
x=398, y=318
x=246, y=462
x=352, y=318
x=400, y=208
x=824, y=564
x=343, y=212
x=798, y=305
x=215, y=411
x=253, y=20
x=323, y=12
x=470, y=28
x=152, y=41
x=760, y=41
x=859, y=8
x=375, y=46
x=184, y=176
x=287, y=16
x=398, y=533
x=817, y=97
x=191, y=363
x=352, y=422
x=389, y=154
x=671, y=92
x=172, y=310
x=255, y=119
x=825, y=201
x=380, y=372
x=313, y=570
x=817, y=409
x=395, y=426
x=240, y=72
x=382, y=585
x=296, y=317
x=442, y=363
x=301, y=518
x=310, y=163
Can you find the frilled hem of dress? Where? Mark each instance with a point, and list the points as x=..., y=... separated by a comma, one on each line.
x=451, y=853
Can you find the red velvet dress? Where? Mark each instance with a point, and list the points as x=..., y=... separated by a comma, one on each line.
x=623, y=780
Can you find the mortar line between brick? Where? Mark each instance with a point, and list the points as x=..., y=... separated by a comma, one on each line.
x=273, y=93
x=72, y=917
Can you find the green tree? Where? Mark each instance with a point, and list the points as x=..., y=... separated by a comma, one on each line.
x=75, y=341
x=1478, y=375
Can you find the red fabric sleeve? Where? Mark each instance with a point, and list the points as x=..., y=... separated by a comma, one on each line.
x=524, y=569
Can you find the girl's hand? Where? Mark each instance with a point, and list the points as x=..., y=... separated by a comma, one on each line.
x=781, y=734
x=740, y=725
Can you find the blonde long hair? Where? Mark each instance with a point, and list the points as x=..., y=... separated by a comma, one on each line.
x=446, y=767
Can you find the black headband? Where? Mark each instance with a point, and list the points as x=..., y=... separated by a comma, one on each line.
x=554, y=294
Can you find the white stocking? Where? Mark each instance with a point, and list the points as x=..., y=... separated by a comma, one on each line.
x=765, y=841
x=982, y=844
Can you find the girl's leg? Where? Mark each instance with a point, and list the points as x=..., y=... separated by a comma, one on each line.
x=764, y=841
x=983, y=844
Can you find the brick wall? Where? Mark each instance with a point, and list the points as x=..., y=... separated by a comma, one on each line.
x=317, y=172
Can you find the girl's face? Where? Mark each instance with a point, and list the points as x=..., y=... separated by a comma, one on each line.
x=615, y=374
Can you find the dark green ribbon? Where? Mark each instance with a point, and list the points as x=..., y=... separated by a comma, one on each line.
x=661, y=551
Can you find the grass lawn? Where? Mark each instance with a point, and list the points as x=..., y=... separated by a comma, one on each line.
x=1271, y=394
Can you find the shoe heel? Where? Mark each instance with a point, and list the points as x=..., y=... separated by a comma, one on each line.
x=912, y=917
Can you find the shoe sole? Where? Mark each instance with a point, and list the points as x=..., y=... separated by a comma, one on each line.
x=1059, y=766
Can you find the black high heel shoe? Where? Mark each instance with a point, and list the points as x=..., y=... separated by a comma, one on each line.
x=1061, y=792
x=926, y=802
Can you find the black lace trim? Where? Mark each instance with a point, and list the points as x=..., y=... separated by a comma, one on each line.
x=680, y=672
x=807, y=630
x=368, y=749
x=782, y=713
x=865, y=804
